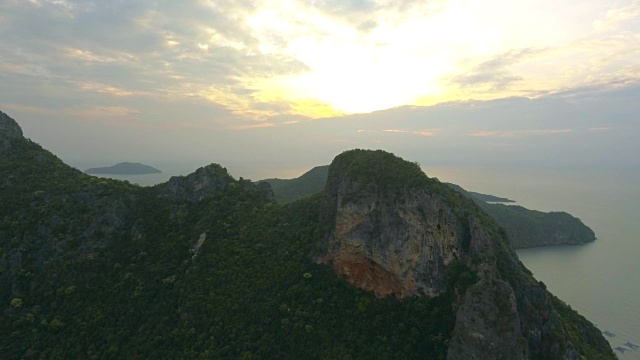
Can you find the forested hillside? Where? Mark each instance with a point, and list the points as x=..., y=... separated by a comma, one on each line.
x=207, y=266
x=526, y=228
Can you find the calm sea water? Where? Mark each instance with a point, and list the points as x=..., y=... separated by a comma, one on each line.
x=600, y=280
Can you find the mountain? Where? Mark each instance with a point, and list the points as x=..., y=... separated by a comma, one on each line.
x=489, y=198
x=525, y=228
x=309, y=183
x=124, y=168
x=529, y=228
x=379, y=265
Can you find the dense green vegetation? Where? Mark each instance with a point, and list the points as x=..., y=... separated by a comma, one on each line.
x=204, y=266
x=489, y=198
x=124, y=168
x=526, y=228
x=390, y=174
x=97, y=268
x=530, y=228
x=309, y=183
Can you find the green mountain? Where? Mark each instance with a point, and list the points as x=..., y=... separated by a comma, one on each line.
x=489, y=198
x=379, y=265
x=526, y=228
x=124, y=168
x=530, y=228
x=309, y=183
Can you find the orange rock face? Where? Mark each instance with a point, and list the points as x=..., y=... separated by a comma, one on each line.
x=366, y=274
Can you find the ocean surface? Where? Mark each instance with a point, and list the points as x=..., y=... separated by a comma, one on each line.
x=600, y=280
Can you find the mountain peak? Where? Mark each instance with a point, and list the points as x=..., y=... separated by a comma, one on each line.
x=380, y=167
x=124, y=168
x=197, y=185
x=392, y=234
x=393, y=231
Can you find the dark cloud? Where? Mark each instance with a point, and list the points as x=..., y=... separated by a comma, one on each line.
x=139, y=47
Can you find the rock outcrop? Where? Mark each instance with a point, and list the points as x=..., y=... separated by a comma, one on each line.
x=386, y=242
x=197, y=185
x=207, y=180
x=94, y=267
x=394, y=235
x=9, y=127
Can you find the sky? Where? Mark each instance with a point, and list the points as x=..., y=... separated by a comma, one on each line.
x=289, y=84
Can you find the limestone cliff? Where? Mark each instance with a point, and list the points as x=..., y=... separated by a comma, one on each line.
x=205, y=181
x=196, y=186
x=383, y=242
x=393, y=231
x=206, y=266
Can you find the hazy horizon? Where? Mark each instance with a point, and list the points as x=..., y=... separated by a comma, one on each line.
x=288, y=85
x=590, y=133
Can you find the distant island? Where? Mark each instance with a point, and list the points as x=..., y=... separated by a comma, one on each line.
x=125, y=168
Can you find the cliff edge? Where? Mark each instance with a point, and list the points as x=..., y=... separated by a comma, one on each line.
x=394, y=231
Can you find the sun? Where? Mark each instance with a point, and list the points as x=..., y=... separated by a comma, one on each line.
x=351, y=71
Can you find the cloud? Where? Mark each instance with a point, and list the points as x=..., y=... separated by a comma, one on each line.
x=105, y=89
x=425, y=132
x=616, y=17
x=412, y=132
x=156, y=48
x=602, y=63
x=257, y=125
x=254, y=60
x=366, y=15
x=519, y=133
x=101, y=113
x=493, y=74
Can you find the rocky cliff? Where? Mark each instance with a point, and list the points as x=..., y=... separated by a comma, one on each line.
x=206, y=266
x=526, y=228
x=393, y=231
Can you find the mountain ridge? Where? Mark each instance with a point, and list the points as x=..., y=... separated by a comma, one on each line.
x=124, y=168
x=93, y=268
x=526, y=228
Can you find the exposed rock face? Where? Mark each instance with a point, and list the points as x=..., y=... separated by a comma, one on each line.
x=405, y=240
x=386, y=243
x=265, y=188
x=488, y=324
x=197, y=185
x=207, y=180
x=401, y=243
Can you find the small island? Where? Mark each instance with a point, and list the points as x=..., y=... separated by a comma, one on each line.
x=125, y=168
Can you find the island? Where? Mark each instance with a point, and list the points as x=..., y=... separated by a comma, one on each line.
x=124, y=168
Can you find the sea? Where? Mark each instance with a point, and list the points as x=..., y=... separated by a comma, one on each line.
x=600, y=280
